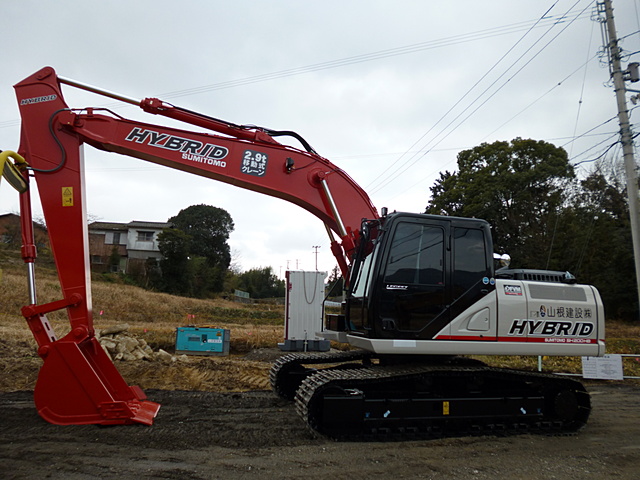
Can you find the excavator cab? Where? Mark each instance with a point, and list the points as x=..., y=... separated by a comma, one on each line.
x=414, y=273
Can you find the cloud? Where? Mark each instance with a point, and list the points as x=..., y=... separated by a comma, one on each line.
x=373, y=89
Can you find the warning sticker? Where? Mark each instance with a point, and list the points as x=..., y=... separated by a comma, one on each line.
x=67, y=196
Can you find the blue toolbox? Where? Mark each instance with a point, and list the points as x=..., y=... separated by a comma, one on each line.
x=204, y=340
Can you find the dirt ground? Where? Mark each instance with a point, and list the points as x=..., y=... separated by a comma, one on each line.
x=254, y=434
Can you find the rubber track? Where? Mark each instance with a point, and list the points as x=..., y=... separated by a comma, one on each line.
x=309, y=398
x=281, y=384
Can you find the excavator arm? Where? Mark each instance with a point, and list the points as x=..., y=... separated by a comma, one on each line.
x=78, y=383
x=247, y=156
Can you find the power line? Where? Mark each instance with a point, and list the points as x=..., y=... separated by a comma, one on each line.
x=560, y=83
x=574, y=138
x=584, y=80
x=392, y=52
x=382, y=174
x=595, y=146
x=571, y=139
x=425, y=150
x=347, y=61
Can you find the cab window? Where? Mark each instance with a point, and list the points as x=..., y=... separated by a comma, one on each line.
x=470, y=259
x=416, y=255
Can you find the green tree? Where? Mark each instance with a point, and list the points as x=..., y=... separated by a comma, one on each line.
x=599, y=248
x=518, y=187
x=544, y=217
x=114, y=259
x=261, y=283
x=209, y=228
x=207, y=279
x=335, y=283
x=177, y=274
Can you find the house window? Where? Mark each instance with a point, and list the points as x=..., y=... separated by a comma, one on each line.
x=116, y=238
x=145, y=236
x=96, y=259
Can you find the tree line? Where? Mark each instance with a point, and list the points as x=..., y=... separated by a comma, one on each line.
x=196, y=258
x=546, y=217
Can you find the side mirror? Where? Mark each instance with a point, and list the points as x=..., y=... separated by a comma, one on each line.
x=503, y=260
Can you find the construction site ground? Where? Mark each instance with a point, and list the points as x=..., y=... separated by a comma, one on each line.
x=254, y=434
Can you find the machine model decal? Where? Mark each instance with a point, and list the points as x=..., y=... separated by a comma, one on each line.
x=254, y=163
x=192, y=150
x=551, y=328
x=512, y=290
x=46, y=98
x=397, y=287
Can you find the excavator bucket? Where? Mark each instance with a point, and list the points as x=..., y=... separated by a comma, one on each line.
x=79, y=384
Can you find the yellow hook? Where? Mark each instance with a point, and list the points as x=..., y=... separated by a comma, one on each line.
x=13, y=171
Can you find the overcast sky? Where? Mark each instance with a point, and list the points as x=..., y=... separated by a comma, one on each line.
x=390, y=91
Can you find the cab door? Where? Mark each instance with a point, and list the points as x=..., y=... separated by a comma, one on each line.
x=412, y=288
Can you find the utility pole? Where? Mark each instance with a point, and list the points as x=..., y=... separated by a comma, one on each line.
x=316, y=247
x=626, y=138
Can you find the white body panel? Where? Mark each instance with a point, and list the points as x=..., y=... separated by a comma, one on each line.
x=517, y=318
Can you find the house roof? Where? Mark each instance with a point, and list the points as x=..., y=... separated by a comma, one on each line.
x=125, y=226
x=141, y=224
x=107, y=226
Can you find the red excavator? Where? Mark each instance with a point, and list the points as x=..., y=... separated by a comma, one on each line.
x=423, y=291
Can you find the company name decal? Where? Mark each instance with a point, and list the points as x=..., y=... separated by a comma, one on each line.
x=551, y=328
x=46, y=98
x=561, y=312
x=192, y=150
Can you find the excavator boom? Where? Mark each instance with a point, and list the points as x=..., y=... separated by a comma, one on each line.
x=78, y=383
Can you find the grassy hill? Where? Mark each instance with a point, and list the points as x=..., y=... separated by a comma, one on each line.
x=151, y=314
x=154, y=317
